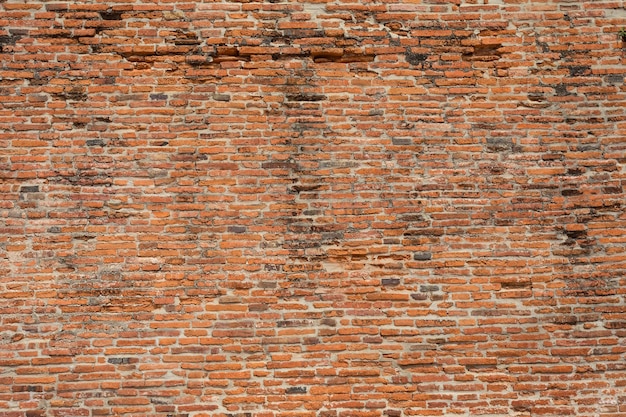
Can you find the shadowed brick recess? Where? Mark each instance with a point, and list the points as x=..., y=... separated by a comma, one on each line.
x=314, y=208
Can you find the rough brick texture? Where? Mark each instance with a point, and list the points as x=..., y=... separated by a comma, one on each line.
x=312, y=208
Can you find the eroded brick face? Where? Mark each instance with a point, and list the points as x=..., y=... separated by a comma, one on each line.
x=324, y=209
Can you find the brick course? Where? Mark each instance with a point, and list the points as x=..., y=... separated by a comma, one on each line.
x=329, y=209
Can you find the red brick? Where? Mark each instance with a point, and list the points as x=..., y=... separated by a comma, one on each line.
x=312, y=209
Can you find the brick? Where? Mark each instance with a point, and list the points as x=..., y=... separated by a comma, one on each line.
x=325, y=208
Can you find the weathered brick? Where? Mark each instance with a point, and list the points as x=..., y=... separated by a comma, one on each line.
x=312, y=208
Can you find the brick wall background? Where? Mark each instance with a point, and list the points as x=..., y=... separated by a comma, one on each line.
x=312, y=208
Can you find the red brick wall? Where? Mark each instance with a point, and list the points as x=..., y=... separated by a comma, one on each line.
x=325, y=208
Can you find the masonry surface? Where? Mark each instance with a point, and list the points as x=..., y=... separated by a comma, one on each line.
x=312, y=208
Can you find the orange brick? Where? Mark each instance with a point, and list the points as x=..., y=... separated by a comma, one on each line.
x=312, y=209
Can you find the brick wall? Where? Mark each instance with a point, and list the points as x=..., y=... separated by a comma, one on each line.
x=326, y=208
